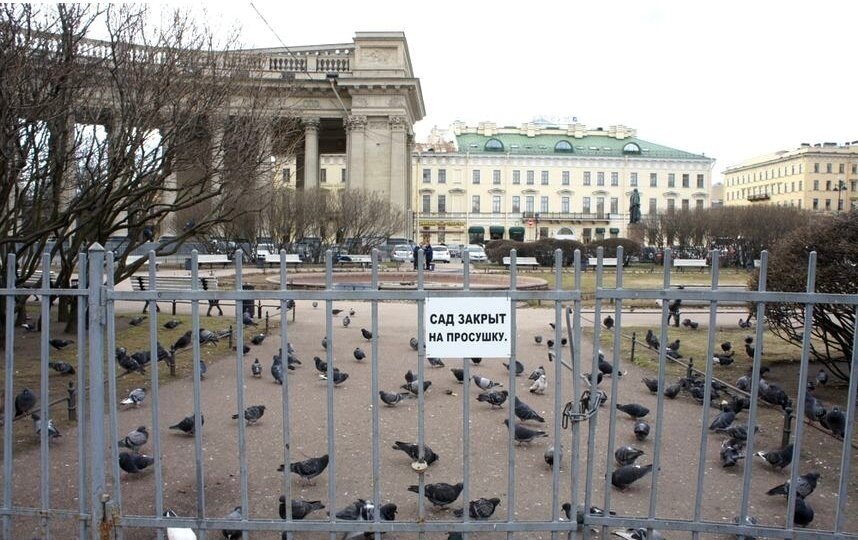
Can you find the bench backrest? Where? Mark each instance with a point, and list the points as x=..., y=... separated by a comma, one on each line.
x=606, y=261
x=356, y=258
x=143, y=283
x=521, y=261
x=207, y=259
x=689, y=262
x=35, y=279
x=274, y=258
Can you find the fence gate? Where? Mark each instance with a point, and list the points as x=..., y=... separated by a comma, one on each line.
x=338, y=417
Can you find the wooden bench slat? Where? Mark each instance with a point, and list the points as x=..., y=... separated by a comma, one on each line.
x=521, y=261
x=606, y=261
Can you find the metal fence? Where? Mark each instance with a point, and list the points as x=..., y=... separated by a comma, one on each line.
x=100, y=512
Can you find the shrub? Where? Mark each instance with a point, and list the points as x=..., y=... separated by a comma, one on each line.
x=610, y=245
x=542, y=250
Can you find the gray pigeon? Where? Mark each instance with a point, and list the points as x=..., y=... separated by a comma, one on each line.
x=256, y=368
x=494, y=398
x=803, y=513
x=440, y=494
x=367, y=335
x=359, y=354
x=24, y=401
x=413, y=343
x=641, y=430
x=536, y=373
x=63, y=368
x=134, y=462
x=479, y=509
x=634, y=410
x=233, y=534
x=60, y=344
x=53, y=432
x=137, y=321
x=183, y=341
x=524, y=434
x=485, y=384
x=171, y=324
x=135, y=397
x=252, y=414
x=579, y=513
x=525, y=412
x=247, y=319
x=835, y=420
x=626, y=475
x=413, y=451
x=459, y=373
x=778, y=458
x=346, y=321
x=186, y=425
x=135, y=439
x=626, y=455
x=309, y=468
x=519, y=367
x=548, y=456
x=414, y=386
x=723, y=420
x=391, y=399
x=804, y=486
x=277, y=370
x=300, y=508
x=339, y=377
x=435, y=362
x=257, y=339
x=730, y=453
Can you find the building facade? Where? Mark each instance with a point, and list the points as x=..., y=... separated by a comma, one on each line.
x=822, y=177
x=540, y=181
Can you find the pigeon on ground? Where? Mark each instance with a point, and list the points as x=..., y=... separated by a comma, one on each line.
x=435, y=362
x=145, y=357
x=325, y=343
x=548, y=456
x=634, y=410
x=485, y=384
x=519, y=367
x=414, y=386
x=803, y=513
x=232, y=534
x=29, y=327
x=172, y=324
x=537, y=340
x=300, y=507
x=63, y=368
x=391, y=399
x=359, y=354
x=137, y=321
x=525, y=412
x=352, y=312
x=641, y=430
x=277, y=370
x=367, y=335
x=410, y=377
x=588, y=378
x=746, y=323
x=135, y=397
x=252, y=414
x=723, y=359
x=672, y=390
x=339, y=377
x=724, y=419
x=476, y=360
x=247, y=319
x=315, y=304
x=412, y=450
x=524, y=434
x=579, y=517
x=606, y=367
x=730, y=453
x=321, y=365
x=822, y=377
x=309, y=468
x=479, y=509
x=135, y=439
x=534, y=375
x=835, y=420
x=60, y=344
x=749, y=347
x=674, y=346
x=183, y=341
x=257, y=339
x=494, y=397
x=739, y=433
x=440, y=494
x=627, y=455
x=539, y=386
x=128, y=363
x=336, y=311
x=640, y=534
x=778, y=458
x=256, y=368
x=651, y=384
x=352, y=512
x=726, y=346
x=688, y=323
x=804, y=486
x=413, y=343
x=134, y=462
x=186, y=425
x=53, y=432
x=608, y=322
x=459, y=373
x=207, y=336
x=346, y=321
x=626, y=475
x=814, y=410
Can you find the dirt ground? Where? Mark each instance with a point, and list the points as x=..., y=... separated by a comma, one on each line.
x=443, y=432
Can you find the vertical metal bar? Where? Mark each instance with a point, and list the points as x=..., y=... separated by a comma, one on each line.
x=510, y=489
x=558, y=389
x=82, y=368
x=284, y=395
x=9, y=392
x=329, y=357
x=707, y=395
x=198, y=392
x=376, y=435
x=575, y=435
x=594, y=388
x=846, y=457
x=112, y=398
x=239, y=394
x=44, y=398
x=755, y=387
x=421, y=411
x=154, y=365
x=802, y=389
x=96, y=385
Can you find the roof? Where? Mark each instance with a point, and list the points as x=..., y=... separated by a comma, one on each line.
x=590, y=145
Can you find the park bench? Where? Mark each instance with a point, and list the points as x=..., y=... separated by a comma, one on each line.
x=521, y=261
x=266, y=259
x=606, y=261
x=131, y=259
x=210, y=260
x=35, y=280
x=690, y=263
x=362, y=260
x=171, y=283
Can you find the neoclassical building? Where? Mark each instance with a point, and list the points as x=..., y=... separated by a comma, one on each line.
x=537, y=181
x=822, y=177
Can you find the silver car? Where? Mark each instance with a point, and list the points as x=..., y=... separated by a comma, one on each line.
x=402, y=252
x=477, y=253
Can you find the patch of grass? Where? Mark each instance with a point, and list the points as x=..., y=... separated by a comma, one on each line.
x=636, y=279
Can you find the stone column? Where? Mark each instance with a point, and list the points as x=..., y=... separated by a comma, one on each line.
x=399, y=161
x=356, y=141
x=311, y=153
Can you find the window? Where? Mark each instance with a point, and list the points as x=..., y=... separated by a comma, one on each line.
x=854, y=169
x=586, y=178
x=516, y=177
x=516, y=203
x=442, y=235
x=671, y=180
x=287, y=176
x=564, y=205
x=686, y=182
x=585, y=207
x=615, y=179
x=816, y=185
x=528, y=203
x=700, y=182
x=323, y=176
x=800, y=183
x=543, y=204
x=600, y=178
x=530, y=177
x=839, y=205
x=828, y=185
x=816, y=204
x=828, y=167
x=631, y=148
x=615, y=205
x=685, y=205
x=475, y=204
x=544, y=178
x=633, y=179
x=494, y=145
x=699, y=204
x=442, y=176
x=653, y=207
x=496, y=177
x=343, y=175
x=841, y=168
x=427, y=176
x=827, y=205
x=816, y=167
x=600, y=206
x=563, y=146
x=587, y=235
x=427, y=203
x=854, y=185
x=564, y=178
x=442, y=204
x=496, y=203
x=671, y=205
x=653, y=179
x=475, y=175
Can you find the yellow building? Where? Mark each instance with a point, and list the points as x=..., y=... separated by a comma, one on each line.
x=539, y=181
x=820, y=177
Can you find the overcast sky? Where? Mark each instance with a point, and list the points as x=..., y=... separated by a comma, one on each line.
x=728, y=79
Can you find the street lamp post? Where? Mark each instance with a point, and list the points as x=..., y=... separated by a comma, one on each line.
x=841, y=187
x=536, y=221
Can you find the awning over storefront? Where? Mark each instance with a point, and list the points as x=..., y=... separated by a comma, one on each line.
x=476, y=235
x=516, y=233
x=496, y=232
x=600, y=230
x=615, y=230
x=476, y=230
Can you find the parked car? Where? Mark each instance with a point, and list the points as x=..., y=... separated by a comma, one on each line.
x=440, y=253
x=476, y=253
x=402, y=252
x=455, y=250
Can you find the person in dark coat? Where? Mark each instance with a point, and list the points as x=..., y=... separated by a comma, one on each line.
x=416, y=255
x=428, y=255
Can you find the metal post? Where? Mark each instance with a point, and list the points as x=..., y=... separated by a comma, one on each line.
x=230, y=336
x=97, y=490
x=634, y=342
x=72, y=403
x=787, y=432
x=267, y=322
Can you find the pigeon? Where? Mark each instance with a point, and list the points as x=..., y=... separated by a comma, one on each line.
x=359, y=354
x=743, y=383
x=435, y=362
x=256, y=368
x=548, y=456
x=749, y=521
x=30, y=327
x=724, y=419
x=325, y=343
x=171, y=324
x=726, y=346
x=606, y=367
x=723, y=359
x=588, y=378
x=803, y=513
x=730, y=454
x=309, y=468
x=60, y=344
x=352, y=312
x=626, y=475
x=688, y=323
x=537, y=340
x=524, y=412
x=749, y=347
x=336, y=311
x=183, y=341
x=413, y=343
x=550, y=343
x=414, y=386
x=410, y=377
x=738, y=433
x=367, y=335
x=145, y=357
x=519, y=367
x=244, y=349
x=257, y=339
x=476, y=360
x=134, y=462
x=252, y=414
x=231, y=534
x=778, y=458
x=135, y=397
x=247, y=319
x=440, y=494
x=276, y=370
x=391, y=399
x=53, y=432
x=300, y=507
x=63, y=368
x=479, y=509
x=339, y=377
x=494, y=398
x=315, y=304
x=814, y=410
x=536, y=373
x=412, y=450
x=672, y=390
x=651, y=383
x=207, y=336
x=579, y=517
x=608, y=322
x=539, y=385
x=135, y=439
x=321, y=365
x=804, y=486
x=459, y=373
x=346, y=321
x=746, y=323
x=626, y=455
x=822, y=377
x=634, y=410
x=774, y=394
x=352, y=512
x=674, y=346
x=551, y=324
x=835, y=420
x=485, y=384
x=186, y=425
x=640, y=534
x=137, y=321
x=641, y=430
x=524, y=434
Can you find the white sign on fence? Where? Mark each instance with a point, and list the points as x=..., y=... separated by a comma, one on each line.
x=467, y=327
